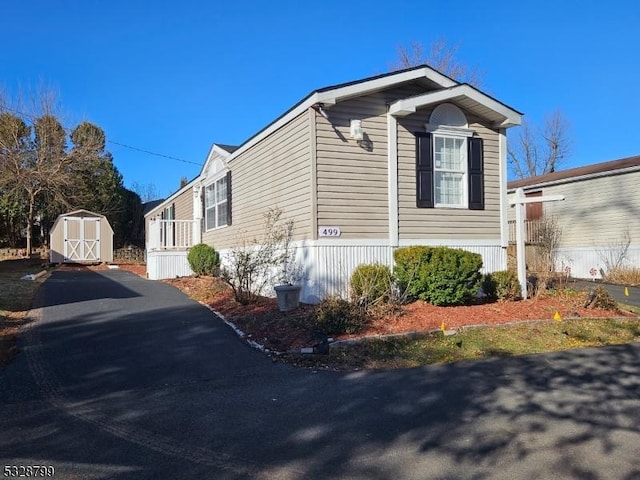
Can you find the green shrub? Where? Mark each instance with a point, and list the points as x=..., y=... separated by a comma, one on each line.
x=502, y=285
x=600, y=298
x=408, y=261
x=203, y=259
x=438, y=275
x=335, y=316
x=371, y=284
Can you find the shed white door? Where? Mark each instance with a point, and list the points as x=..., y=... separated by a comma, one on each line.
x=81, y=239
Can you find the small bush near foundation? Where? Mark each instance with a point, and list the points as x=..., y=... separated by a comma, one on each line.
x=502, y=285
x=336, y=316
x=203, y=259
x=600, y=298
x=438, y=275
x=371, y=284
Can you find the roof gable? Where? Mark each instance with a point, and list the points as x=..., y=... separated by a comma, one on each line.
x=424, y=74
x=466, y=96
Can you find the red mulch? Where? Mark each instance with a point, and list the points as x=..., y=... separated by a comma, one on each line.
x=265, y=324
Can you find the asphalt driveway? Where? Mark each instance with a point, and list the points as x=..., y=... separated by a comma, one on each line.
x=120, y=377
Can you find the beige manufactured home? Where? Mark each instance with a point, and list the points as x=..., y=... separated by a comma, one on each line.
x=410, y=157
x=600, y=213
x=81, y=236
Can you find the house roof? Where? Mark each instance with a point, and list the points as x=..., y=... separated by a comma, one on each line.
x=343, y=91
x=579, y=173
x=148, y=206
x=228, y=148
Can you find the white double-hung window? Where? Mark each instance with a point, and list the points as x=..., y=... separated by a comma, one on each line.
x=450, y=171
x=216, y=204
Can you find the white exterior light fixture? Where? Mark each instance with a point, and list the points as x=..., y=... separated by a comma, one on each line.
x=356, y=130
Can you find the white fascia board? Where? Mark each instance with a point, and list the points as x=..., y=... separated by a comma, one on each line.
x=174, y=196
x=214, y=152
x=578, y=178
x=363, y=88
x=305, y=105
x=407, y=106
x=330, y=97
x=436, y=242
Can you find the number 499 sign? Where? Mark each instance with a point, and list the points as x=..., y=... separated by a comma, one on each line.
x=329, y=231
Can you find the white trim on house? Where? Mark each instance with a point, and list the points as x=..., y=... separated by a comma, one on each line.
x=407, y=242
x=333, y=95
x=392, y=134
x=447, y=242
x=505, y=116
x=169, y=200
x=504, y=199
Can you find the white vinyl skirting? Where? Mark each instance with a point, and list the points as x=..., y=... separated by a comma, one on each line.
x=167, y=264
x=587, y=262
x=326, y=269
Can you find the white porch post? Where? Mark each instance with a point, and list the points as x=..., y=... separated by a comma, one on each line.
x=520, y=201
x=197, y=215
x=521, y=261
x=154, y=234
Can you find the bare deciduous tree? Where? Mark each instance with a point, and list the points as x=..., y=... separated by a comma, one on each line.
x=147, y=192
x=441, y=56
x=536, y=150
x=33, y=160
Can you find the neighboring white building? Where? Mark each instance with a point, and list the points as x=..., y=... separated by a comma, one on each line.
x=600, y=212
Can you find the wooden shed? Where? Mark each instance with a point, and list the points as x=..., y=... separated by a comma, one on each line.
x=81, y=237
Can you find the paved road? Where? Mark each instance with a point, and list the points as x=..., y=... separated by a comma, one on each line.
x=123, y=378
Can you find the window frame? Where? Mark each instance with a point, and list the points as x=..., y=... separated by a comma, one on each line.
x=464, y=201
x=216, y=204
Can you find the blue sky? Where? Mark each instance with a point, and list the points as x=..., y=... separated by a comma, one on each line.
x=173, y=77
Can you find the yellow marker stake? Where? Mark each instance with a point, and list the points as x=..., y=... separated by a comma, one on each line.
x=442, y=327
x=557, y=317
x=626, y=292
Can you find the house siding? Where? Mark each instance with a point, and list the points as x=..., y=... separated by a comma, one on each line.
x=275, y=173
x=352, y=179
x=597, y=211
x=446, y=223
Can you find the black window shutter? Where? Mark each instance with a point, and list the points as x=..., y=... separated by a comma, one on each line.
x=476, y=174
x=229, y=198
x=424, y=170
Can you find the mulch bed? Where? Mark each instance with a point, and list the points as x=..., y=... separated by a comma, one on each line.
x=284, y=331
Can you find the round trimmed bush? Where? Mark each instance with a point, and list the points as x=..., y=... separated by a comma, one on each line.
x=502, y=285
x=438, y=275
x=370, y=284
x=203, y=259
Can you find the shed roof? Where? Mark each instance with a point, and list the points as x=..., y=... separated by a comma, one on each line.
x=82, y=213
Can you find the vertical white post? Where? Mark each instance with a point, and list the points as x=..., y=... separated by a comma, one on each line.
x=392, y=171
x=520, y=248
x=197, y=215
x=154, y=234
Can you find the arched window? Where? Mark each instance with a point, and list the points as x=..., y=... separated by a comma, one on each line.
x=449, y=162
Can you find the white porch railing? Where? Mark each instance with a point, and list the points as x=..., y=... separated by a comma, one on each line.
x=173, y=234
